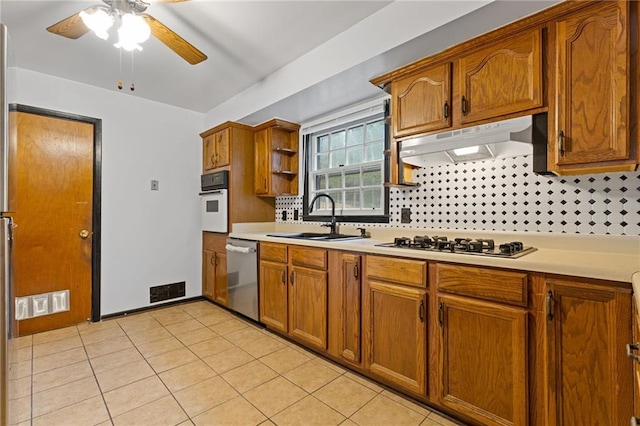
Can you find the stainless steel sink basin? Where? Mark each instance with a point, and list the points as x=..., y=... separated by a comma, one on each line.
x=314, y=236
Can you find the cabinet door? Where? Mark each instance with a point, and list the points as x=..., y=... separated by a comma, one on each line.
x=589, y=375
x=592, y=82
x=308, y=306
x=220, y=283
x=208, y=154
x=397, y=343
x=483, y=361
x=351, y=273
x=222, y=147
x=421, y=101
x=273, y=295
x=262, y=162
x=208, y=273
x=502, y=79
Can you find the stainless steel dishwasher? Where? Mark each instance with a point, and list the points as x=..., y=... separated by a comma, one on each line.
x=242, y=273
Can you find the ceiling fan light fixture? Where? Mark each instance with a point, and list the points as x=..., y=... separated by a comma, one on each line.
x=133, y=31
x=99, y=22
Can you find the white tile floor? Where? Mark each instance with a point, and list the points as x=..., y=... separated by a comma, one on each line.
x=193, y=363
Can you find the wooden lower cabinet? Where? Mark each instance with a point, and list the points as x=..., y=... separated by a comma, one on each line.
x=483, y=360
x=293, y=292
x=589, y=377
x=395, y=325
x=214, y=267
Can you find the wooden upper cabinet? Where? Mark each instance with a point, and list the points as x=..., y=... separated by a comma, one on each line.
x=589, y=376
x=216, y=150
x=592, y=99
x=501, y=79
x=276, y=158
x=421, y=102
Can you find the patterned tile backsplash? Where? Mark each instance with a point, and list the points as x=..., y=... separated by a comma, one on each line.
x=505, y=195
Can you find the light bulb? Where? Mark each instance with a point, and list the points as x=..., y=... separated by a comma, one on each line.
x=99, y=22
x=466, y=151
x=133, y=30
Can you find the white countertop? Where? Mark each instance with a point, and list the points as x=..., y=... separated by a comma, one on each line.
x=607, y=257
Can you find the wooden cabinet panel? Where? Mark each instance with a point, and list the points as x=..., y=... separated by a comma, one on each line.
x=220, y=289
x=262, y=179
x=351, y=307
x=589, y=376
x=636, y=364
x=421, y=102
x=404, y=271
x=216, y=150
x=208, y=273
x=273, y=295
x=483, y=361
x=214, y=267
x=592, y=83
x=503, y=78
x=276, y=158
x=397, y=345
x=483, y=283
x=273, y=251
x=308, y=306
x=208, y=154
x=308, y=256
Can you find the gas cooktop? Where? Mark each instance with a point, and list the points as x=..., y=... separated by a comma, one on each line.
x=479, y=246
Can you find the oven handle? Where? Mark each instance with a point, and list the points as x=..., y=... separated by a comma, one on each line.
x=238, y=249
x=219, y=191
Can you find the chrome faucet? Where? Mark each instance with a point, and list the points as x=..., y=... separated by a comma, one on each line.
x=333, y=224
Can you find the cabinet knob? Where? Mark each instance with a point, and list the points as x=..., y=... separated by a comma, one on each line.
x=84, y=234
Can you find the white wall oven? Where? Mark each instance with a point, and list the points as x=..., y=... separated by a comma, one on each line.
x=214, y=202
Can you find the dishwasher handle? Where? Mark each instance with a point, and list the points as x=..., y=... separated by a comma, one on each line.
x=238, y=249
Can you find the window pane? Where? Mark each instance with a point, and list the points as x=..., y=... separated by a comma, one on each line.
x=352, y=179
x=321, y=203
x=352, y=199
x=337, y=139
x=374, y=151
x=355, y=135
x=371, y=198
x=337, y=197
x=321, y=182
x=337, y=158
x=375, y=130
x=322, y=161
x=335, y=180
x=371, y=177
x=354, y=155
x=323, y=143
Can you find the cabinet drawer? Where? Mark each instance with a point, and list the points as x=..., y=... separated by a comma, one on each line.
x=401, y=271
x=309, y=256
x=483, y=283
x=214, y=242
x=273, y=252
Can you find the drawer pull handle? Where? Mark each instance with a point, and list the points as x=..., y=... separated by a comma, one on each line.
x=355, y=271
x=446, y=110
x=291, y=277
x=464, y=106
x=421, y=311
x=549, y=306
x=440, y=314
x=283, y=278
x=561, y=142
x=633, y=347
x=634, y=421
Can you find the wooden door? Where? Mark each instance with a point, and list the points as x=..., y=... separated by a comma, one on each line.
x=208, y=273
x=396, y=349
x=53, y=214
x=308, y=306
x=220, y=287
x=590, y=378
x=273, y=295
x=421, y=102
x=262, y=163
x=483, y=360
x=501, y=79
x=208, y=154
x=222, y=142
x=351, y=273
x=592, y=83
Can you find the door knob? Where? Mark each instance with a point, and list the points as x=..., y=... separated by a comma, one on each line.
x=84, y=234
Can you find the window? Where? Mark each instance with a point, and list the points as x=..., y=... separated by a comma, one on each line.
x=346, y=162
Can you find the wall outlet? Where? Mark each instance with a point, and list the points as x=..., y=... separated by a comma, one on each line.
x=295, y=214
x=284, y=215
x=405, y=215
x=155, y=185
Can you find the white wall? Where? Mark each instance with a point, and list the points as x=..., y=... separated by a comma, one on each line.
x=148, y=237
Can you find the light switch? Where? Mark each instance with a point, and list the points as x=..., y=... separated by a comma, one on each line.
x=154, y=185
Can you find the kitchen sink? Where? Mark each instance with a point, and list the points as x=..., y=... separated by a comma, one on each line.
x=314, y=236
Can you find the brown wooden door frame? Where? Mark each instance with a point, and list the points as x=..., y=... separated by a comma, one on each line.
x=97, y=193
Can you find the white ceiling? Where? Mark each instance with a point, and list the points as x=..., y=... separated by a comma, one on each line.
x=245, y=41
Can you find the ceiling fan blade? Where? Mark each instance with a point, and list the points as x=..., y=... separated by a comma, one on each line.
x=71, y=27
x=173, y=41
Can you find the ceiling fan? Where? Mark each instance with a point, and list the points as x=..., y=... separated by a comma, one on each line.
x=134, y=27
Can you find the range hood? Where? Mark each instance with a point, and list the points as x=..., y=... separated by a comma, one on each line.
x=510, y=137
